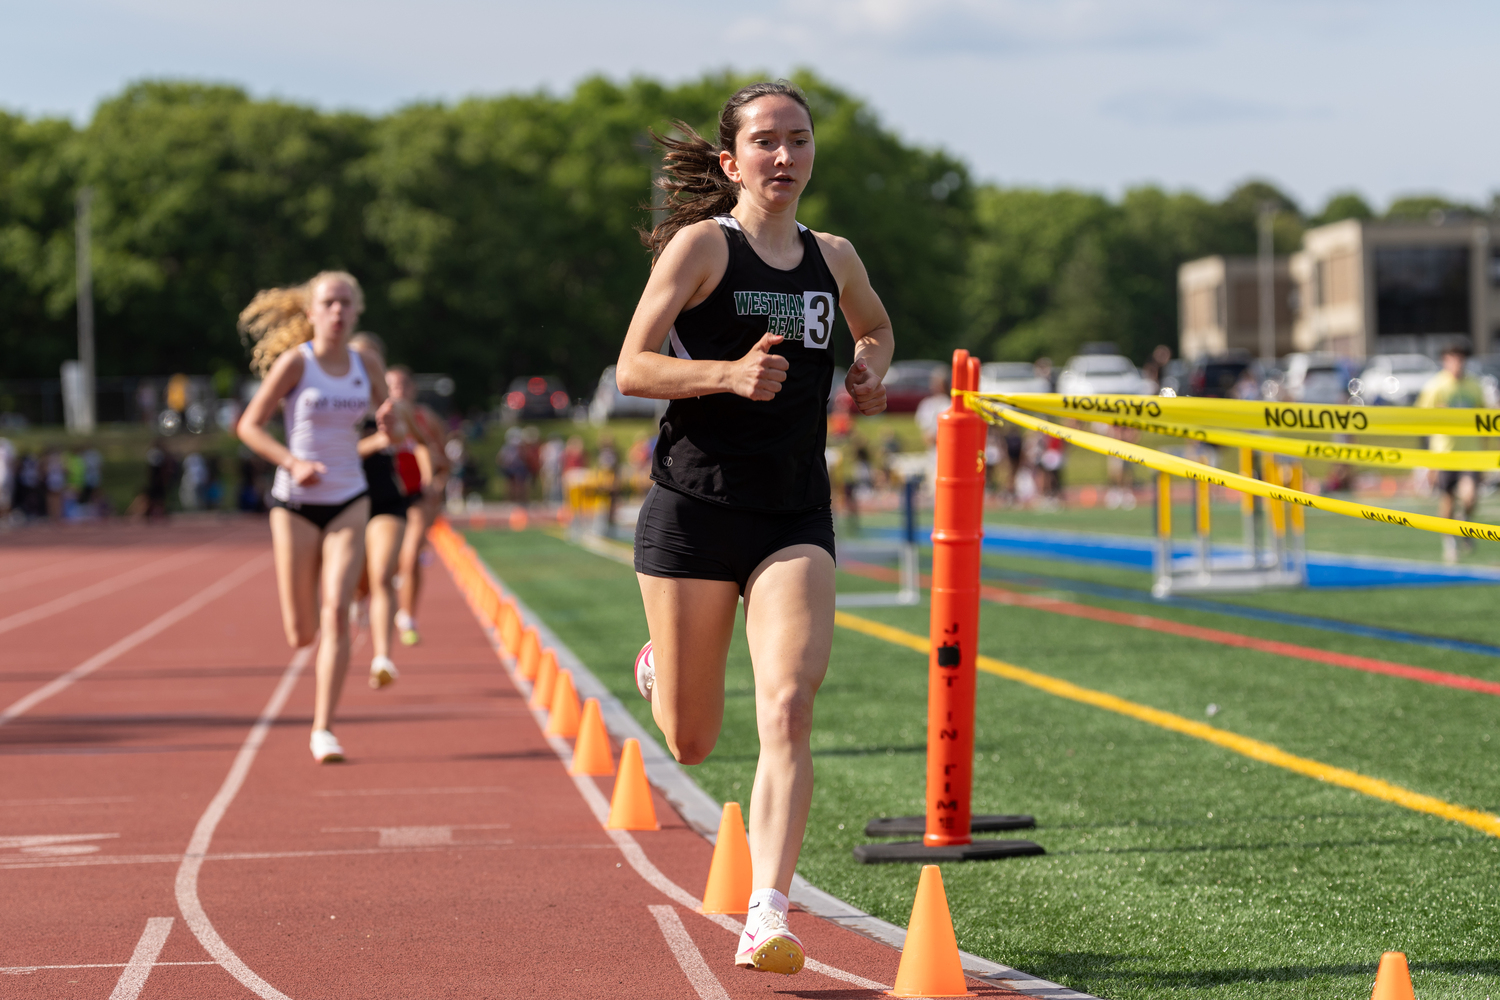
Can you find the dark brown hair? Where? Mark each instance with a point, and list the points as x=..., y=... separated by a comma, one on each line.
x=695, y=185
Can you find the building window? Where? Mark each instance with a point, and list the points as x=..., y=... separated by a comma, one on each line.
x=1421, y=290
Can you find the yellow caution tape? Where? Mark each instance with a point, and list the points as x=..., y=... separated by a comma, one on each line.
x=988, y=407
x=1381, y=456
x=1241, y=414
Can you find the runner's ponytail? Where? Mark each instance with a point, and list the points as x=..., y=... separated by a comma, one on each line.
x=694, y=183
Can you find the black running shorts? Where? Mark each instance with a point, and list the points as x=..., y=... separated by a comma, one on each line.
x=1447, y=480
x=682, y=536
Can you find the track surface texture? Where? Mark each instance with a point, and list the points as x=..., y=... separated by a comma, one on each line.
x=152, y=704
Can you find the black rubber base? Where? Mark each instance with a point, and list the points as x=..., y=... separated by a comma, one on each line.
x=909, y=826
x=915, y=850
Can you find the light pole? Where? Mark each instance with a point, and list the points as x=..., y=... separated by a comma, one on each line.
x=85, y=405
x=1266, y=221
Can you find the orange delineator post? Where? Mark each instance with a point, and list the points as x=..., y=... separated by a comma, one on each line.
x=957, y=536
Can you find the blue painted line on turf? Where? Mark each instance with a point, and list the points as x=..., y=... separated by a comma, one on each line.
x=1324, y=569
x=1239, y=611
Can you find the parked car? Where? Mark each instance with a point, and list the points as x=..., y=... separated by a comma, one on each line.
x=609, y=403
x=1395, y=379
x=1089, y=374
x=909, y=382
x=1011, y=376
x=1316, y=378
x=1216, y=377
x=538, y=397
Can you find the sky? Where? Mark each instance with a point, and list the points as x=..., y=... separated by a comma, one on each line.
x=1318, y=96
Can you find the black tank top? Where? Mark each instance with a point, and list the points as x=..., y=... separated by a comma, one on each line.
x=740, y=452
x=380, y=472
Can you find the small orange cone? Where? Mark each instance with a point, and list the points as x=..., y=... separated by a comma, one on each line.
x=510, y=628
x=729, y=883
x=1393, y=978
x=546, y=680
x=518, y=519
x=591, y=752
x=930, y=966
x=630, y=807
x=563, y=719
x=528, y=655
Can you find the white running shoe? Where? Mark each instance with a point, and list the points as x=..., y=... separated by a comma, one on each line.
x=767, y=945
x=382, y=672
x=645, y=670
x=325, y=747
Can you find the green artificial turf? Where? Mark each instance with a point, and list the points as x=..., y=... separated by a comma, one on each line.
x=1173, y=865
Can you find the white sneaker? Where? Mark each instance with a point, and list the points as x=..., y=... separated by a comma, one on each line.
x=645, y=670
x=382, y=672
x=325, y=747
x=767, y=945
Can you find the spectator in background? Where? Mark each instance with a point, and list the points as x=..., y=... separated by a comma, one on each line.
x=928, y=411
x=1454, y=387
x=194, y=475
x=1052, y=461
x=1043, y=369
x=531, y=455
x=575, y=455
x=213, y=483
x=510, y=462
x=253, y=473
x=55, y=480
x=93, y=478
x=7, y=477
x=1245, y=387
x=30, y=499
x=552, y=469
x=160, y=469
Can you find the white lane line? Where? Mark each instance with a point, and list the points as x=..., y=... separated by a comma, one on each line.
x=628, y=845
x=476, y=790
x=160, y=624
x=176, y=859
x=147, y=950
x=22, y=970
x=55, y=569
x=106, y=587
x=203, y=835
x=702, y=978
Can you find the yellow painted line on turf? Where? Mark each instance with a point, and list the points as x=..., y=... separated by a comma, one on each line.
x=1254, y=749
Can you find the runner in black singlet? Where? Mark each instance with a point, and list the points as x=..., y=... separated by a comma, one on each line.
x=741, y=504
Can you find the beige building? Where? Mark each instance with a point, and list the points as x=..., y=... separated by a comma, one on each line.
x=1369, y=287
x=1219, y=306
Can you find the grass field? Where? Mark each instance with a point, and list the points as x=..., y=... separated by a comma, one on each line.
x=1173, y=864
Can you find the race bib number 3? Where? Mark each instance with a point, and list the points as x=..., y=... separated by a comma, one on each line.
x=817, y=319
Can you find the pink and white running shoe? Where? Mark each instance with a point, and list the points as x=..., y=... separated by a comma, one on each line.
x=645, y=671
x=768, y=945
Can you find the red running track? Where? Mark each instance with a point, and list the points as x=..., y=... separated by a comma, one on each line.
x=164, y=831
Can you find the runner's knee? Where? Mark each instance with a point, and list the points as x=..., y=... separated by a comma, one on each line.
x=786, y=714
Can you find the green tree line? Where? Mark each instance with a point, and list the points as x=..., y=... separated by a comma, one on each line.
x=497, y=237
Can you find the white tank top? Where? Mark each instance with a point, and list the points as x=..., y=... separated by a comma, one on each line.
x=323, y=416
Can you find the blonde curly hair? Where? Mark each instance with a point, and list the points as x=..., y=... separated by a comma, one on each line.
x=276, y=320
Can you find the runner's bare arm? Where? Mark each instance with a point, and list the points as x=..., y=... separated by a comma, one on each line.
x=278, y=384
x=874, y=340
x=687, y=272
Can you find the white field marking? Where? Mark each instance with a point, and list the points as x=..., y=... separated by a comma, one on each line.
x=102, y=800
x=106, y=587
x=175, y=859
x=478, y=790
x=147, y=951
x=702, y=978
x=25, y=970
x=60, y=568
x=627, y=844
x=160, y=624
x=203, y=835
x=47, y=839
x=417, y=836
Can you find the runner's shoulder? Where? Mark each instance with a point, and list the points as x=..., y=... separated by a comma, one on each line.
x=843, y=260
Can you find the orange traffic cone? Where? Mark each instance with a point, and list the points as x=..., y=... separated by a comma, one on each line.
x=929, y=960
x=563, y=719
x=510, y=628
x=1393, y=978
x=728, y=889
x=526, y=657
x=546, y=680
x=591, y=752
x=630, y=807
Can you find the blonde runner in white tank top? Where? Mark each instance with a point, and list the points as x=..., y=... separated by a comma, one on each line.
x=323, y=416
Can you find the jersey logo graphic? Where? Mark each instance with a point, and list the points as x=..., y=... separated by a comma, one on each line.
x=784, y=311
x=817, y=318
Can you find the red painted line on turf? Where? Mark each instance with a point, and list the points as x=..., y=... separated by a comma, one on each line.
x=134, y=639
x=1000, y=595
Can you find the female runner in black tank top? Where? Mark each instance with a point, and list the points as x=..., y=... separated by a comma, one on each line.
x=746, y=297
